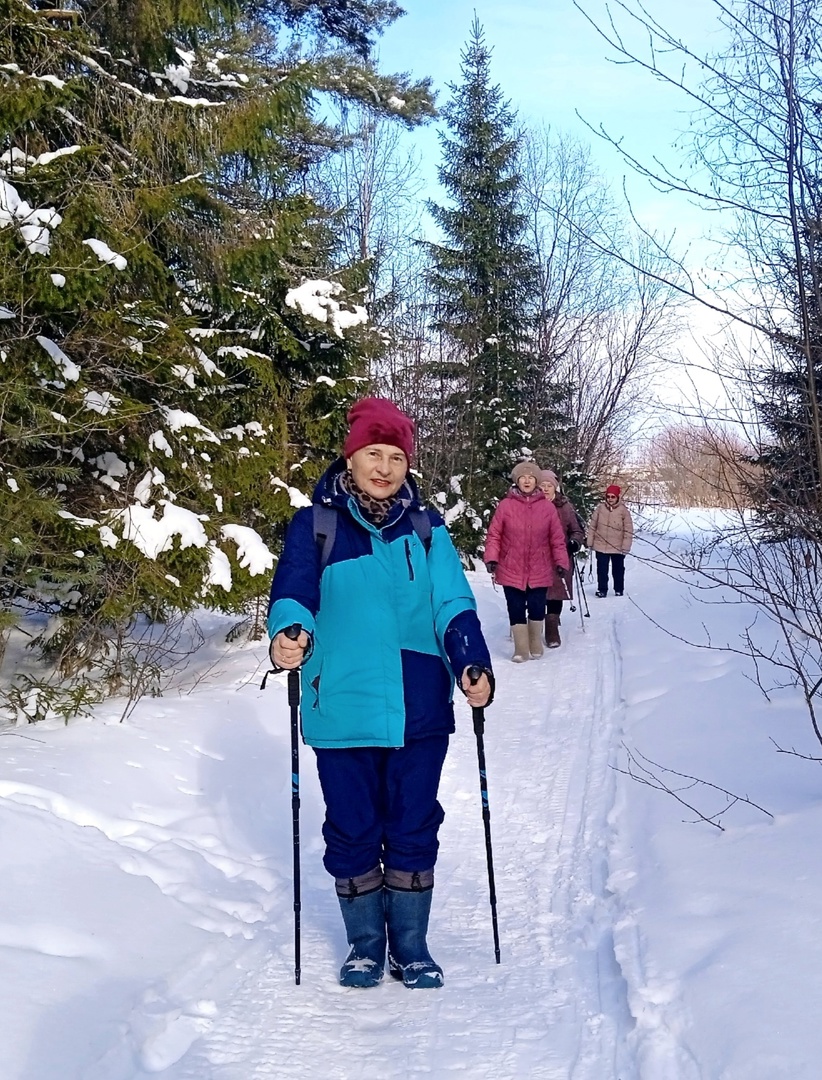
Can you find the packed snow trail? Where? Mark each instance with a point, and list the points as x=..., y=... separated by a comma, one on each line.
x=145, y=916
x=556, y=1007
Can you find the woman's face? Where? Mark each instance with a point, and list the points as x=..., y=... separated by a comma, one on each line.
x=549, y=489
x=527, y=483
x=378, y=469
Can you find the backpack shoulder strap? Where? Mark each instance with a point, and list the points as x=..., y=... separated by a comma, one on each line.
x=325, y=529
x=422, y=527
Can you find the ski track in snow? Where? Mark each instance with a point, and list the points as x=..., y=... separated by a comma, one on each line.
x=146, y=924
x=556, y=1008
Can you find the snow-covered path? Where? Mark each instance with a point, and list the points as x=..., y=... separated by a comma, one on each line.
x=146, y=909
x=556, y=1006
x=174, y=956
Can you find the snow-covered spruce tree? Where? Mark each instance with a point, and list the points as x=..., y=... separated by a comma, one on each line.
x=788, y=496
x=176, y=359
x=482, y=276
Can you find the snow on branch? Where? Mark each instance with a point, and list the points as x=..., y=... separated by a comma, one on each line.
x=105, y=254
x=130, y=88
x=177, y=419
x=295, y=496
x=153, y=535
x=219, y=570
x=35, y=225
x=95, y=401
x=252, y=552
x=53, y=155
x=69, y=369
x=316, y=299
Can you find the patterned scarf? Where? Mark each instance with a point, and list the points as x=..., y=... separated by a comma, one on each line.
x=373, y=510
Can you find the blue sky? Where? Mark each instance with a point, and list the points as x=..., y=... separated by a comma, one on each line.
x=555, y=69
x=552, y=65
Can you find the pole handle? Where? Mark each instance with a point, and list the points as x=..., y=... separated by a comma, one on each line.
x=293, y=632
x=474, y=673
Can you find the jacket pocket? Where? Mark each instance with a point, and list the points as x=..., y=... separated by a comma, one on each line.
x=408, y=560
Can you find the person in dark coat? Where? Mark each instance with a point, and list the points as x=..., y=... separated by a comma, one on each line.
x=610, y=535
x=525, y=552
x=387, y=623
x=574, y=539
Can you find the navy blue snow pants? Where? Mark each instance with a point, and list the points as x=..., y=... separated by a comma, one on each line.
x=617, y=569
x=525, y=604
x=381, y=806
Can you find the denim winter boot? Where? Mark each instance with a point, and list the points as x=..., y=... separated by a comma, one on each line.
x=363, y=911
x=407, y=907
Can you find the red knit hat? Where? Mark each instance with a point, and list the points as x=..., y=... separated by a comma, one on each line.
x=614, y=489
x=377, y=420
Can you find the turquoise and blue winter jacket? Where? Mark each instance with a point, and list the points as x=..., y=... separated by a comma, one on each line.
x=391, y=624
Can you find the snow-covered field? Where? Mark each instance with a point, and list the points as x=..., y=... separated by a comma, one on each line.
x=146, y=906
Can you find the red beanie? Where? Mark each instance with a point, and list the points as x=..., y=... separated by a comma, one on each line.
x=614, y=489
x=377, y=420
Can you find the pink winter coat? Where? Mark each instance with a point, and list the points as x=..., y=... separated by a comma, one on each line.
x=526, y=540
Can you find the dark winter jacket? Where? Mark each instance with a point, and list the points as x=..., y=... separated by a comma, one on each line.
x=526, y=540
x=573, y=533
x=391, y=623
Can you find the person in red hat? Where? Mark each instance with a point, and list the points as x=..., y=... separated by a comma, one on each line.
x=388, y=625
x=610, y=535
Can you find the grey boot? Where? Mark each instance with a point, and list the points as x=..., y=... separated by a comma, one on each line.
x=521, y=649
x=407, y=909
x=363, y=910
x=535, y=638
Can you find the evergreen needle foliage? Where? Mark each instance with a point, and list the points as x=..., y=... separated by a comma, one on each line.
x=178, y=342
x=483, y=278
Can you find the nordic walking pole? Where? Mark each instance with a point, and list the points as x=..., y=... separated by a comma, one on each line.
x=571, y=604
x=293, y=632
x=474, y=674
x=582, y=590
x=581, y=620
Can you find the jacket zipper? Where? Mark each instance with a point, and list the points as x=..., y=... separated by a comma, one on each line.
x=408, y=560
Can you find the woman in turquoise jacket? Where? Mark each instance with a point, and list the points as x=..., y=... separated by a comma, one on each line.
x=388, y=622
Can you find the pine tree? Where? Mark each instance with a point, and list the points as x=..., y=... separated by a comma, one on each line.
x=177, y=350
x=789, y=404
x=482, y=277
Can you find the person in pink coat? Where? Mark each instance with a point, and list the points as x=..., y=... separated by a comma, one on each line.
x=525, y=552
